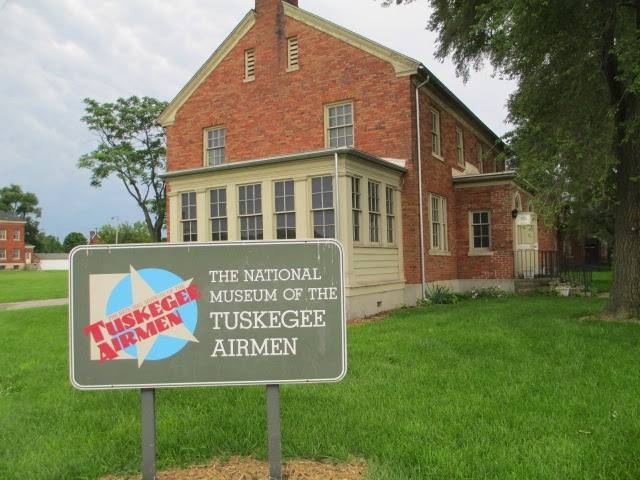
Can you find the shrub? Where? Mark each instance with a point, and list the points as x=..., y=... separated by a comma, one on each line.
x=440, y=295
x=489, y=292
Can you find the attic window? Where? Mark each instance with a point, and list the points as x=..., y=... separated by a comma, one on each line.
x=250, y=65
x=292, y=54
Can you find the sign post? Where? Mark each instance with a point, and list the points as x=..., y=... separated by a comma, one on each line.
x=207, y=314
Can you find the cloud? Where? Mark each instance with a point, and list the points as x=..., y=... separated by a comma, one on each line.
x=55, y=53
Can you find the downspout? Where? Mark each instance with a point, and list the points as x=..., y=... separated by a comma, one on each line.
x=423, y=278
x=337, y=187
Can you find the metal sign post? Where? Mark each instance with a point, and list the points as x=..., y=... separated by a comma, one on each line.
x=274, y=441
x=147, y=396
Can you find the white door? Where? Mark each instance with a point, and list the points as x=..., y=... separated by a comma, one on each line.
x=526, y=233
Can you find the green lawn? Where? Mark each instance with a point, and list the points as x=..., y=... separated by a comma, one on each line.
x=602, y=281
x=516, y=388
x=19, y=286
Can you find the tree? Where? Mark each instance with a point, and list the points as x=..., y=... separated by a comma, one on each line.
x=49, y=244
x=131, y=147
x=126, y=233
x=73, y=240
x=25, y=205
x=576, y=109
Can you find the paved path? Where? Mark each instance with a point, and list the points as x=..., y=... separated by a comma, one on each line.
x=34, y=304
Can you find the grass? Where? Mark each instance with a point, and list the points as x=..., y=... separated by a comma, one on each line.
x=19, y=286
x=602, y=280
x=512, y=388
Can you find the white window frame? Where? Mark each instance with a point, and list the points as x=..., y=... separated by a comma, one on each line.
x=222, y=218
x=3, y=234
x=356, y=209
x=16, y=235
x=460, y=147
x=16, y=257
x=255, y=214
x=346, y=125
x=293, y=54
x=322, y=207
x=438, y=237
x=436, y=138
x=3, y=254
x=286, y=213
x=192, y=221
x=390, y=204
x=249, y=64
x=214, y=147
x=472, y=236
x=375, y=214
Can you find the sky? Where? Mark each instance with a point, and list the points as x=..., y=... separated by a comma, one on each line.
x=55, y=53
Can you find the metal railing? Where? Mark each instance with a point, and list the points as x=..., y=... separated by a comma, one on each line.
x=552, y=264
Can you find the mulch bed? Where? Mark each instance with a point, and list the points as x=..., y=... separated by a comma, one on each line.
x=237, y=468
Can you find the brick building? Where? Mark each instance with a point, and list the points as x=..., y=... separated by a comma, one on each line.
x=14, y=254
x=298, y=128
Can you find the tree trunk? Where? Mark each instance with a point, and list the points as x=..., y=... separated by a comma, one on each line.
x=625, y=291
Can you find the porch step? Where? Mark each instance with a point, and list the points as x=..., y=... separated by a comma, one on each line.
x=530, y=285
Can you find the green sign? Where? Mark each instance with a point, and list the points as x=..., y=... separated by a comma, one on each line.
x=176, y=315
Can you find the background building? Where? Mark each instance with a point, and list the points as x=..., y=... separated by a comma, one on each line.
x=14, y=254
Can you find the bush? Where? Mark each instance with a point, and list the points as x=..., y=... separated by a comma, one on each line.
x=489, y=292
x=440, y=295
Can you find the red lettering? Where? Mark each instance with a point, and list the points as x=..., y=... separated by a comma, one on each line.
x=151, y=331
x=174, y=318
x=127, y=339
x=193, y=292
x=106, y=352
x=169, y=303
x=141, y=316
x=95, y=331
x=128, y=321
x=161, y=325
x=114, y=327
x=154, y=308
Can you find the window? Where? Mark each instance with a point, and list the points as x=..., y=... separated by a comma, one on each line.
x=480, y=230
x=16, y=235
x=391, y=216
x=340, y=125
x=374, y=212
x=189, y=217
x=3, y=234
x=355, y=207
x=438, y=212
x=3, y=254
x=530, y=207
x=215, y=146
x=293, y=54
x=250, y=65
x=459, y=147
x=517, y=202
x=480, y=158
x=435, y=134
x=250, y=212
x=285, y=210
x=218, y=207
x=16, y=254
x=324, y=224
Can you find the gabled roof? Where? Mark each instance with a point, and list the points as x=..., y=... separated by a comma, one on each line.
x=10, y=217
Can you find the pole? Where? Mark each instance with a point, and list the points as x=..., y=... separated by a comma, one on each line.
x=148, y=400
x=274, y=443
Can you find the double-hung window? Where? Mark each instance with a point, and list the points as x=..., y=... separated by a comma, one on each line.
x=459, y=147
x=356, y=208
x=3, y=254
x=285, y=210
x=374, y=212
x=189, y=217
x=16, y=235
x=3, y=234
x=438, y=214
x=391, y=215
x=215, y=146
x=16, y=254
x=436, y=147
x=219, y=221
x=340, y=125
x=480, y=230
x=324, y=223
x=250, y=212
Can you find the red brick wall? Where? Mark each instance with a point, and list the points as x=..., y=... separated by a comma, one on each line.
x=10, y=244
x=281, y=112
x=497, y=199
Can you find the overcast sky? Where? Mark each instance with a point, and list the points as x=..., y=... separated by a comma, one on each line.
x=55, y=53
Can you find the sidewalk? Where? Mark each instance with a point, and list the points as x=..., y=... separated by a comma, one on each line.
x=34, y=304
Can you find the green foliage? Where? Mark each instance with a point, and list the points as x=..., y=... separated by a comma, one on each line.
x=489, y=292
x=126, y=233
x=48, y=244
x=440, y=295
x=23, y=204
x=132, y=148
x=73, y=240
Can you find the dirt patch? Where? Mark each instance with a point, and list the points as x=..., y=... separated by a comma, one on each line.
x=237, y=468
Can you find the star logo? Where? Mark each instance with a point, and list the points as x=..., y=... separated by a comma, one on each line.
x=151, y=314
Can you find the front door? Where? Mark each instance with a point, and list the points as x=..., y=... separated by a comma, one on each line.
x=526, y=245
